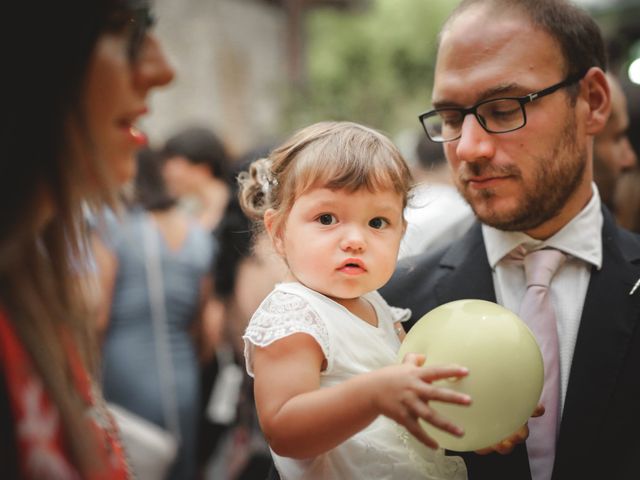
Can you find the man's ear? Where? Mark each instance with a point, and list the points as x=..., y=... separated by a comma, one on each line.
x=595, y=90
x=274, y=231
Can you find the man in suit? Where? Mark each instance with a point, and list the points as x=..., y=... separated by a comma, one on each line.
x=519, y=94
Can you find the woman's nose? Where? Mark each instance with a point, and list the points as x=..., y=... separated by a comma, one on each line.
x=152, y=68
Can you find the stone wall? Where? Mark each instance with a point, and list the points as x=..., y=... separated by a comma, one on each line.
x=231, y=63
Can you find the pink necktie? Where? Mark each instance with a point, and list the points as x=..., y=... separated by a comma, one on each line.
x=537, y=312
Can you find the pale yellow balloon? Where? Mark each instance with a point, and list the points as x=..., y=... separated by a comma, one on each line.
x=506, y=372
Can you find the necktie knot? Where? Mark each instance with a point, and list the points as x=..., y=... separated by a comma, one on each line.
x=541, y=265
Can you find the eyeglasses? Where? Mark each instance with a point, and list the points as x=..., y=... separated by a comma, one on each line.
x=498, y=115
x=136, y=22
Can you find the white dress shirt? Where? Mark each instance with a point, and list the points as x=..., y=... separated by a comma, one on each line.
x=436, y=216
x=581, y=240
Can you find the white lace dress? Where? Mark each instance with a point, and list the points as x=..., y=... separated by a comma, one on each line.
x=351, y=346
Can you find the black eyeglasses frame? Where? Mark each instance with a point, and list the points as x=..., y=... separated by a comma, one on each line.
x=523, y=100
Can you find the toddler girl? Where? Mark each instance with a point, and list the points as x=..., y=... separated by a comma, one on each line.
x=322, y=346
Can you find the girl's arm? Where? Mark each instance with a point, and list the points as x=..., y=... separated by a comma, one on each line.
x=300, y=420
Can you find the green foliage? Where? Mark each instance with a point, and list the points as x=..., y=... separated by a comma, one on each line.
x=373, y=66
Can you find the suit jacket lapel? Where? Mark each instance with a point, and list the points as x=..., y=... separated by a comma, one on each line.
x=606, y=327
x=465, y=270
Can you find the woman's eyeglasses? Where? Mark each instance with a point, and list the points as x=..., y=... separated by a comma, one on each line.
x=136, y=23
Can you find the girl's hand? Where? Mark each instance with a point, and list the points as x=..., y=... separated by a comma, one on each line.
x=405, y=391
x=508, y=444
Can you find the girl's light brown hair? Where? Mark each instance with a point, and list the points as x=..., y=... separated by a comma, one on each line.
x=334, y=155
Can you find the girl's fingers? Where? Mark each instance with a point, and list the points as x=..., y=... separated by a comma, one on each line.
x=417, y=359
x=439, y=372
x=422, y=410
x=417, y=431
x=430, y=392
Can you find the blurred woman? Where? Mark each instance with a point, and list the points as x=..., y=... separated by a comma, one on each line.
x=152, y=374
x=75, y=91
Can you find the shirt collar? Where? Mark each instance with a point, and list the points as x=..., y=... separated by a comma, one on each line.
x=581, y=237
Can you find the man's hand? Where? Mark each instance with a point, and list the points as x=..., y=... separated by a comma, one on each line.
x=508, y=444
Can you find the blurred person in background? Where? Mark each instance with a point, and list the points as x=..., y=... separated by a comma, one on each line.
x=244, y=275
x=437, y=214
x=196, y=170
x=626, y=200
x=134, y=375
x=75, y=92
x=612, y=151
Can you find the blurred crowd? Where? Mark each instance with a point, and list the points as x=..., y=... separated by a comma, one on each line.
x=215, y=273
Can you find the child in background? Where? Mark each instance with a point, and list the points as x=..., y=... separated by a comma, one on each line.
x=322, y=346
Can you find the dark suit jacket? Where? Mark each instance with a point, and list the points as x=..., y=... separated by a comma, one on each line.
x=600, y=428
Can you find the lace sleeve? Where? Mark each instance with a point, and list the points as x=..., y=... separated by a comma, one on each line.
x=400, y=314
x=280, y=315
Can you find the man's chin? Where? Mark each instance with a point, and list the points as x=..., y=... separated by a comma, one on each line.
x=497, y=215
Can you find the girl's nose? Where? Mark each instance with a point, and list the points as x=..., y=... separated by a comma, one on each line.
x=353, y=241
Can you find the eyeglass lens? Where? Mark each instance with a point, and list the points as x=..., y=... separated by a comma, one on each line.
x=134, y=24
x=496, y=116
x=141, y=21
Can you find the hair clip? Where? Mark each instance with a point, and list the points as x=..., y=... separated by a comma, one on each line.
x=266, y=181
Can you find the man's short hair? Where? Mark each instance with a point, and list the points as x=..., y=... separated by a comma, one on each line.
x=576, y=32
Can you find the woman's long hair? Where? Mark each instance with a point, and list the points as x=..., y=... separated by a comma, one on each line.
x=45, y=182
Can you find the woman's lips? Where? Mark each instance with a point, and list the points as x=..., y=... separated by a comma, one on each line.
x=134, y=134
x=138, y=136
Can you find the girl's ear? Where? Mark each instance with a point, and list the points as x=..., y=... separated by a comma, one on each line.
x=598, y=98
x=275, y=234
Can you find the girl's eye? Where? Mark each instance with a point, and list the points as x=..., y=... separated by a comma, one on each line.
x=326, y=219
x=378, y=223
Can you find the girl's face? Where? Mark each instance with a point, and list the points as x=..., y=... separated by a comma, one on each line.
x=117, y=87
x=339, y=243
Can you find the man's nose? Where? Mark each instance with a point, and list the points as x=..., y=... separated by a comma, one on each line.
x=475, y=143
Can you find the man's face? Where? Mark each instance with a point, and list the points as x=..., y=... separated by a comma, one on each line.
x=521, y=180
x=612, y=151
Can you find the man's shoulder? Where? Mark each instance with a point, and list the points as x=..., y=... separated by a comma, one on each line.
x=626, y=241
x=420, y=265
x=629, y=240
x=412, y=284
